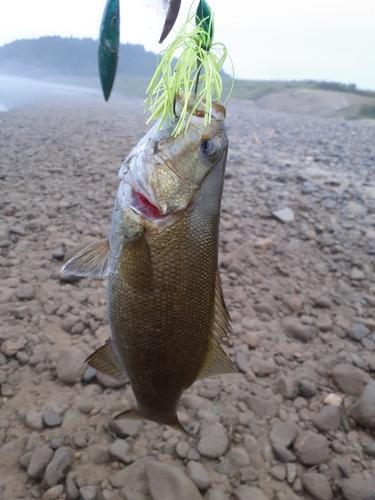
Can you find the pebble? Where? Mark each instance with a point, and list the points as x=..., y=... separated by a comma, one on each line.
x=53, y=493
x=62, y=460
x=40, y=458
x=119, y=450
x=284, y=433
x=198, y=474
x=297, y=330
x=213, y=441
x=34, y=420
x=284, y=215
x=242, y=363
x=10, y=348
x=70, y=367
x=349, y=379
x=88, y=492
x=358, y=332
x=370, y=449
x=51, y=419
x=333, y=399
x=125, y=427
x=328, y=418
x=307, y=388
x=169, y=483
x=286, y=386
x=317, y=486
x=357, y=274
x=363, y=411
x=26, y=292
x=244, y=492
x=311, y=448
x=358, y=488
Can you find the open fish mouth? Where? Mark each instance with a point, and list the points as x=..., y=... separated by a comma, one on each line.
x=144, y=207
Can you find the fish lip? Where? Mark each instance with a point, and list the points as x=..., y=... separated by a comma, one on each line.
x=141, y=204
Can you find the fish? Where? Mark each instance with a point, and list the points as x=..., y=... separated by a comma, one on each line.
x=166, y=309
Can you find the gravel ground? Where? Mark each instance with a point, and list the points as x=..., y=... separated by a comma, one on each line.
x=297, y=248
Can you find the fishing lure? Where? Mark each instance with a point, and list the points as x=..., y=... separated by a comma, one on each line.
x=109, y=43
x=196, y=74
x=109, y=40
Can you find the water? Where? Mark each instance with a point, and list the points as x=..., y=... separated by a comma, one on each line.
x=16, y=92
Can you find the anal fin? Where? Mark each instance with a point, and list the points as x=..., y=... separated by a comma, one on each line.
x=92, y=261
x=217, y=361
x=104, y=360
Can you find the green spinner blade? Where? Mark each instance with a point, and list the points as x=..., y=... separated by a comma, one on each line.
x=109, y=42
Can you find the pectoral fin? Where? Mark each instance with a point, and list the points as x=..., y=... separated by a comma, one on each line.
x=104, y=360
x=136, y=265
x=92, y=261
x=217, y=361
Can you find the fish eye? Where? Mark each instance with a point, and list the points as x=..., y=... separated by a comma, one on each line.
x=208, y=147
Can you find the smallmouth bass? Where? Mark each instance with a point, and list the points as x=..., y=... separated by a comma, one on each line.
x=165, y=302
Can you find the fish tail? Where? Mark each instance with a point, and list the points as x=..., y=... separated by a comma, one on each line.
x=176, y=424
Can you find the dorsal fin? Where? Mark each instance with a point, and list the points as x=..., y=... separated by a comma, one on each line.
x=218, y=361
x=91, y=261
x=104, y=360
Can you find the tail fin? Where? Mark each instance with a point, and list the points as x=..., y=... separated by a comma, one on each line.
x=175, y=423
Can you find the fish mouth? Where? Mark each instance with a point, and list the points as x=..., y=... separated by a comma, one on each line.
x=144, y=207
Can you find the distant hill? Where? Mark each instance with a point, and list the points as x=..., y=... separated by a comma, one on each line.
x=53, y=55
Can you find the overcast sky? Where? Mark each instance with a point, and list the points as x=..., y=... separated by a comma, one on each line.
x=267, y=39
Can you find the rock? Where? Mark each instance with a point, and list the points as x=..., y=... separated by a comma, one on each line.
x=244, y=492
x=358, y=332
x=119, y=450
x=311, y=448
x=370, y=449
x=213, y=441
x=70, y=367
x=242, y=363
x=283, y=454
x=88, y=492
x=107, y=381
x=10, y=348
x=251, y=339
x=349, y=379
x=294, y=303
x=265, y=408
x=26, y=292
x=71, y=490
x=58, y=467
x=40, y=458
x=323, y=322
x=264, y=244
x=333, y=399
x=169, y=483
x=238, y=457
x=317, y=486
x=51, y=419
x=307, y=388
x=125, y=427
x=363, y=411
x=357, y=274
x=284, y=433
x=34, y=420
x=328, y=419
x=278, y=472
x=198, y=474
x=264, y=367
x=284, y=215
x=286, y=386
x=297, y=330
x=182, y=449
x=53, y=493
x=99, y=454
x=358, y=488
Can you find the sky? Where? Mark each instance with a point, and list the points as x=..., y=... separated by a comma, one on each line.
x=330, y=40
